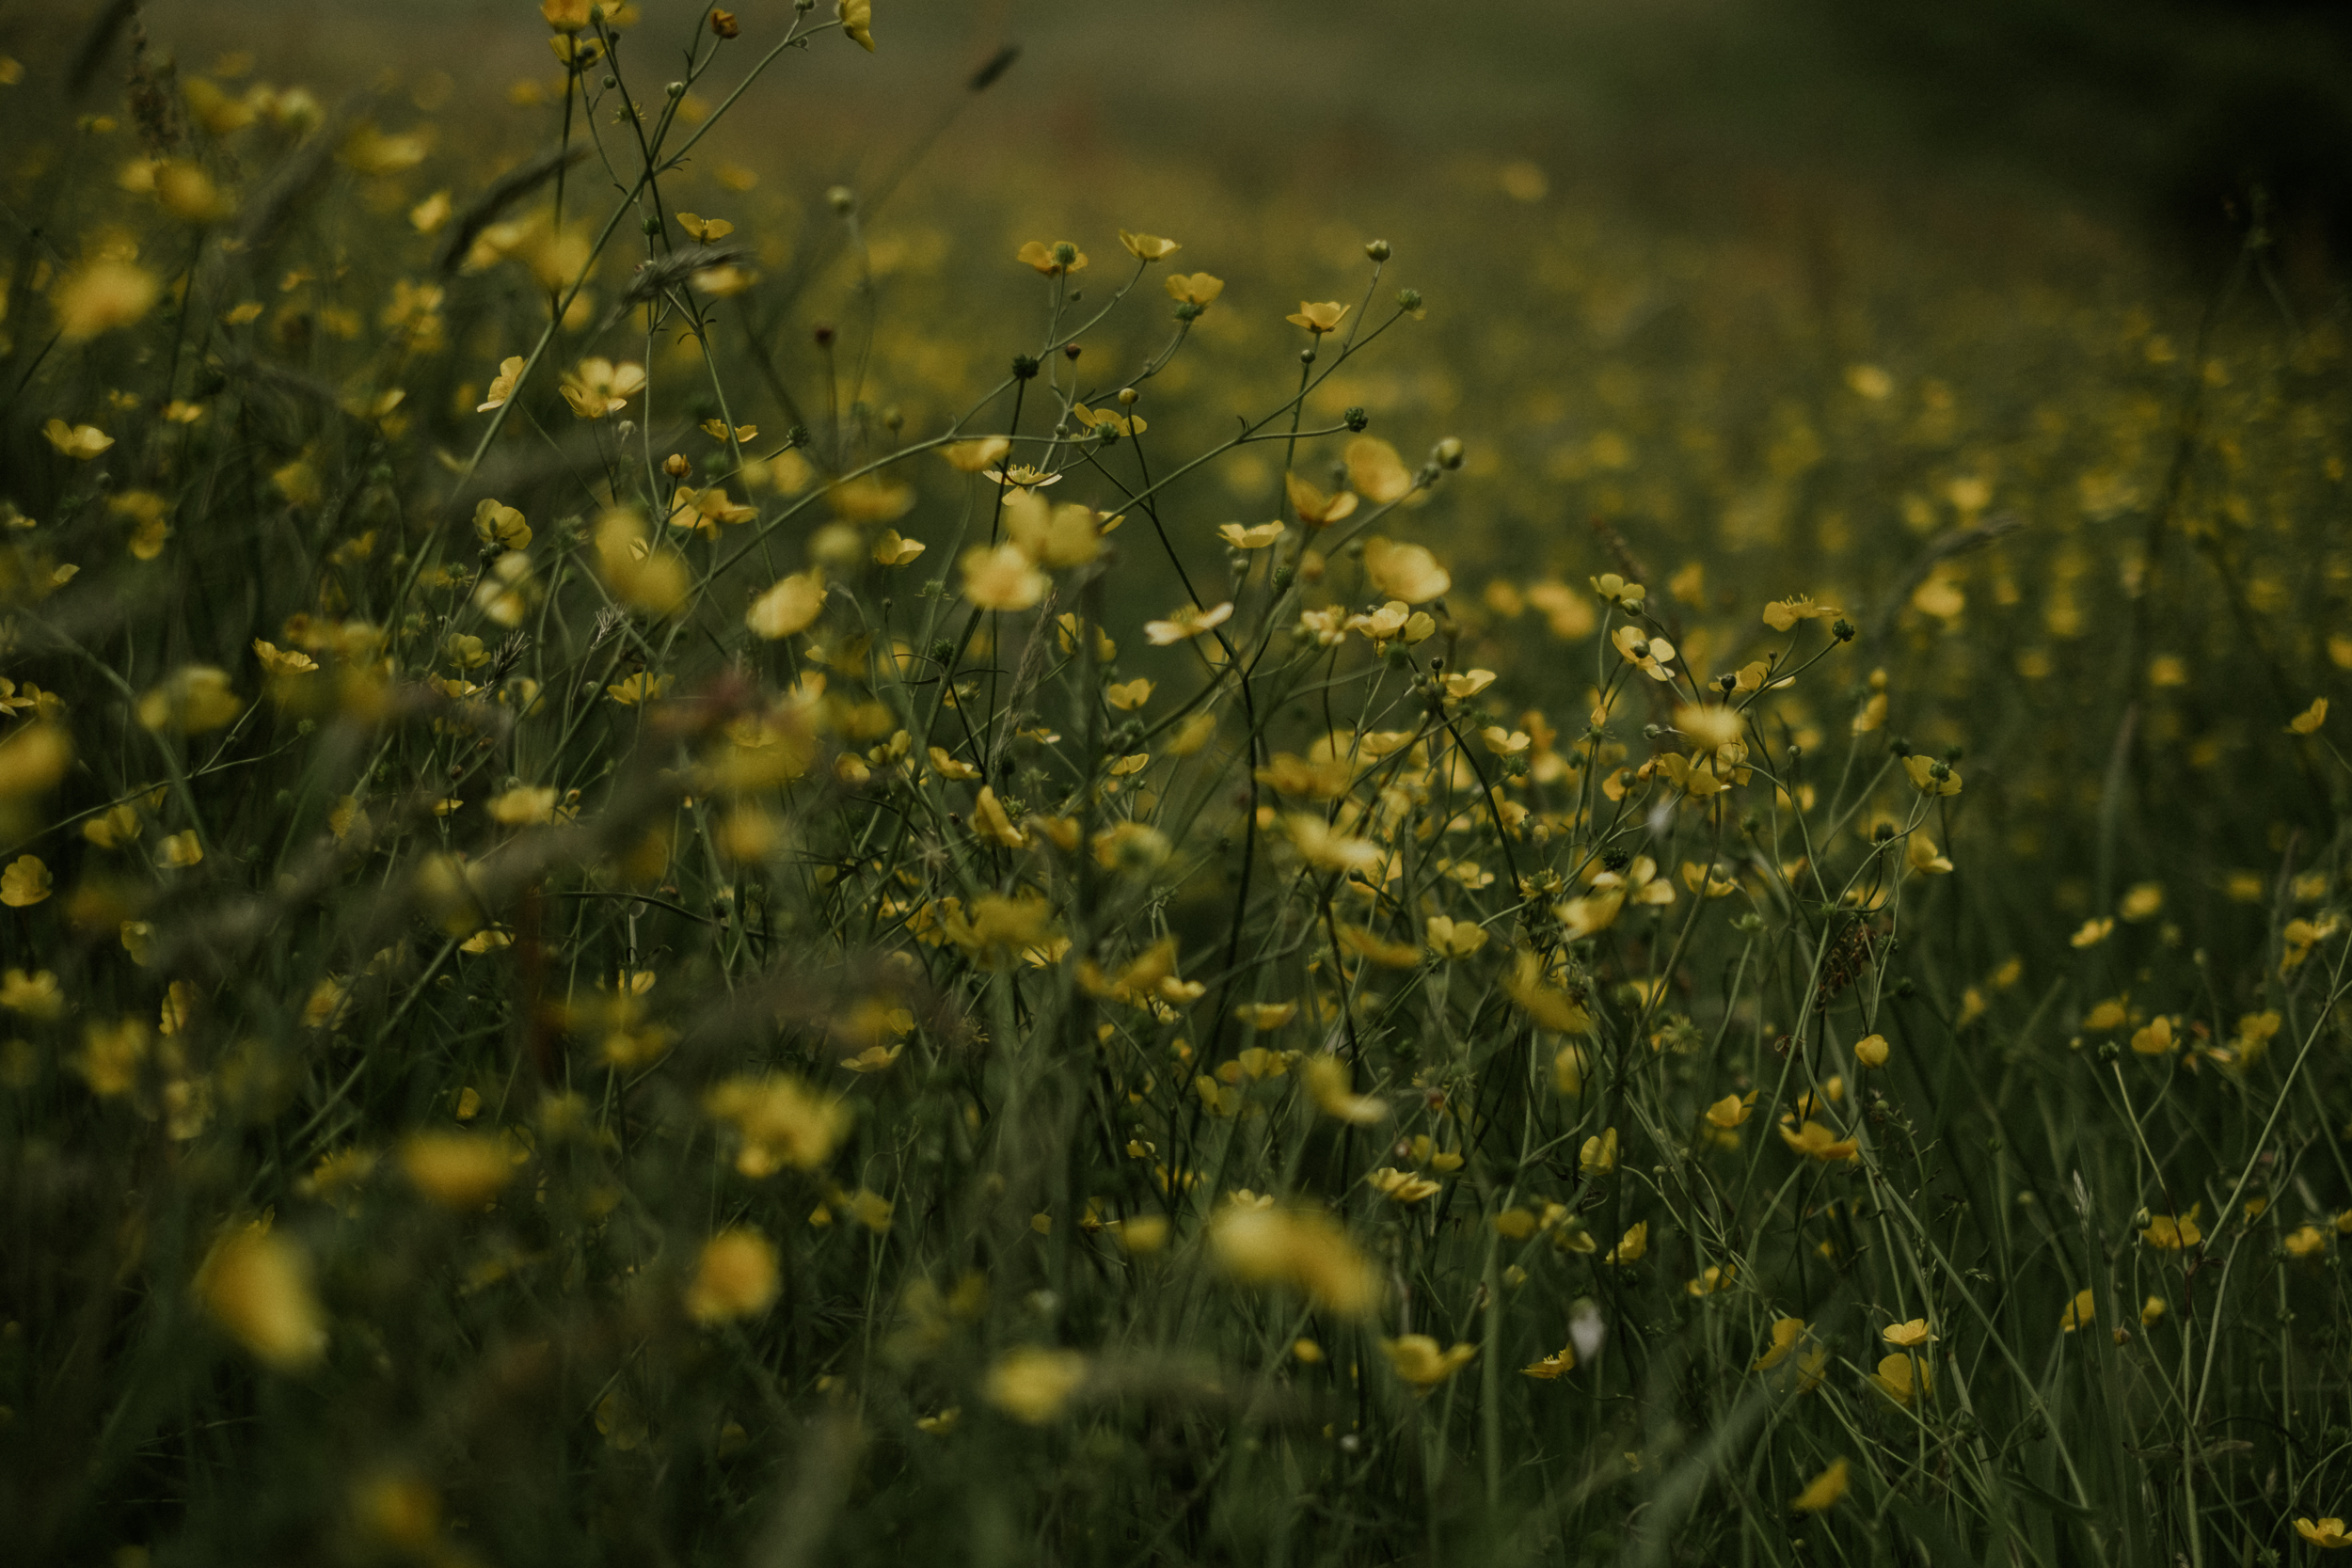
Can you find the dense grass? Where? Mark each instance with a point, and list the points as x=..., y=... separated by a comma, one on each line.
x=823, y=888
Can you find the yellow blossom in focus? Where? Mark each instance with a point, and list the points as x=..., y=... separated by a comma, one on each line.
x=1895, y=1379
x=1054, y=260
x=502, y=385
x=2173, y=1232
x=1147, y=247
x=1631, y=1247
x=1787, y=1333
x=595, y=388
x=1318, y=319
x=2328, y=1534
x=1908, y=1336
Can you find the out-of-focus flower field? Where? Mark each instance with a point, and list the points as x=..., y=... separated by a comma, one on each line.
x=749, y=815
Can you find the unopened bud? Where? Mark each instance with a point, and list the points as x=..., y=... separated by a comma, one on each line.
x=842, y=199
x=1448, y=452
x=1377, y=250
x=1129, y=397
x=722, y=23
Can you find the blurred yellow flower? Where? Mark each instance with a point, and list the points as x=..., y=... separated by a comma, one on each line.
x=1417, y=1359
x=1822, y=1492
x=1186, y=623
x=24, y=883
x=1035, y=1386
x=1787, y=1333
x=1598, y=1157
x=102, y=296
x=1002, y=578
x=736, y=1276
x=1817, y=1142
x=791, y=605
x=1631, y=1245
x=1195, y=289
x=1895, y=1379
x=256, y=1284
x=1407, y=572
x=1298, y=1247
x=1317, y=509
x=2308, y=720
x=460, y=1171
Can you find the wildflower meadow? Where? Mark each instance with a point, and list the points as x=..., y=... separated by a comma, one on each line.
x=708, y=862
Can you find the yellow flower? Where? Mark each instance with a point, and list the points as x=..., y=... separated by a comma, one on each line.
x=1417, y=1359
x=459, y=1171
x=1317, y=509
x=1318, y=319
x=256, y=1284
x=2308, y=720
x=1298, y=1247
x=1895, y=1379
x=1823, y=1491
x=2328, y=1534
x=1786, y=614
x=1375, y=471
x=1650, y=655
x=495, y=523
x=1402, y=1186
x=1787, y=1333
x=1931, y=777
x=523, y=806
x=34, y=995
x=1552, y=1366
x=1631, y=1245
x=2092, y=932
x=179, y=851
x=80, y=442
x=24, y=883
x=1870, y=1051
x=1924, y=856
x=780, y=1121
x=1035, y=1386
x=1185, y=624
x=705, y=229
x=2154, y=1038
x=566, y=16
x=1256, y=538
x=2305, y=1241
x=975, y=457
x=1195, y=289
x=1407, y=572
x=1056, y=260
x=1147, y=247
x=1326, y=1083
x=102, y=296
x=2173, y=1232
x=1002, y=578
x=2151, y=1311
x=1817, y=1142
x=1598, y=1156
x=595, y=388
x=1909, y=1336
x=1454, y=939
x=857, y=22
x=735, y=1278
x=1731, y=1110
x=892, y=551
x=191, y=699
x=791, y=605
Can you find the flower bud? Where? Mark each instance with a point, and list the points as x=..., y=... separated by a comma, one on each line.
x=1409, y=299
x=1355, y=418
x=1129, y=397
x=677, y=466
x=841, y=199
x=1448, y=452
x=1377, y=250
x=724, y=23
x=1024, y=368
